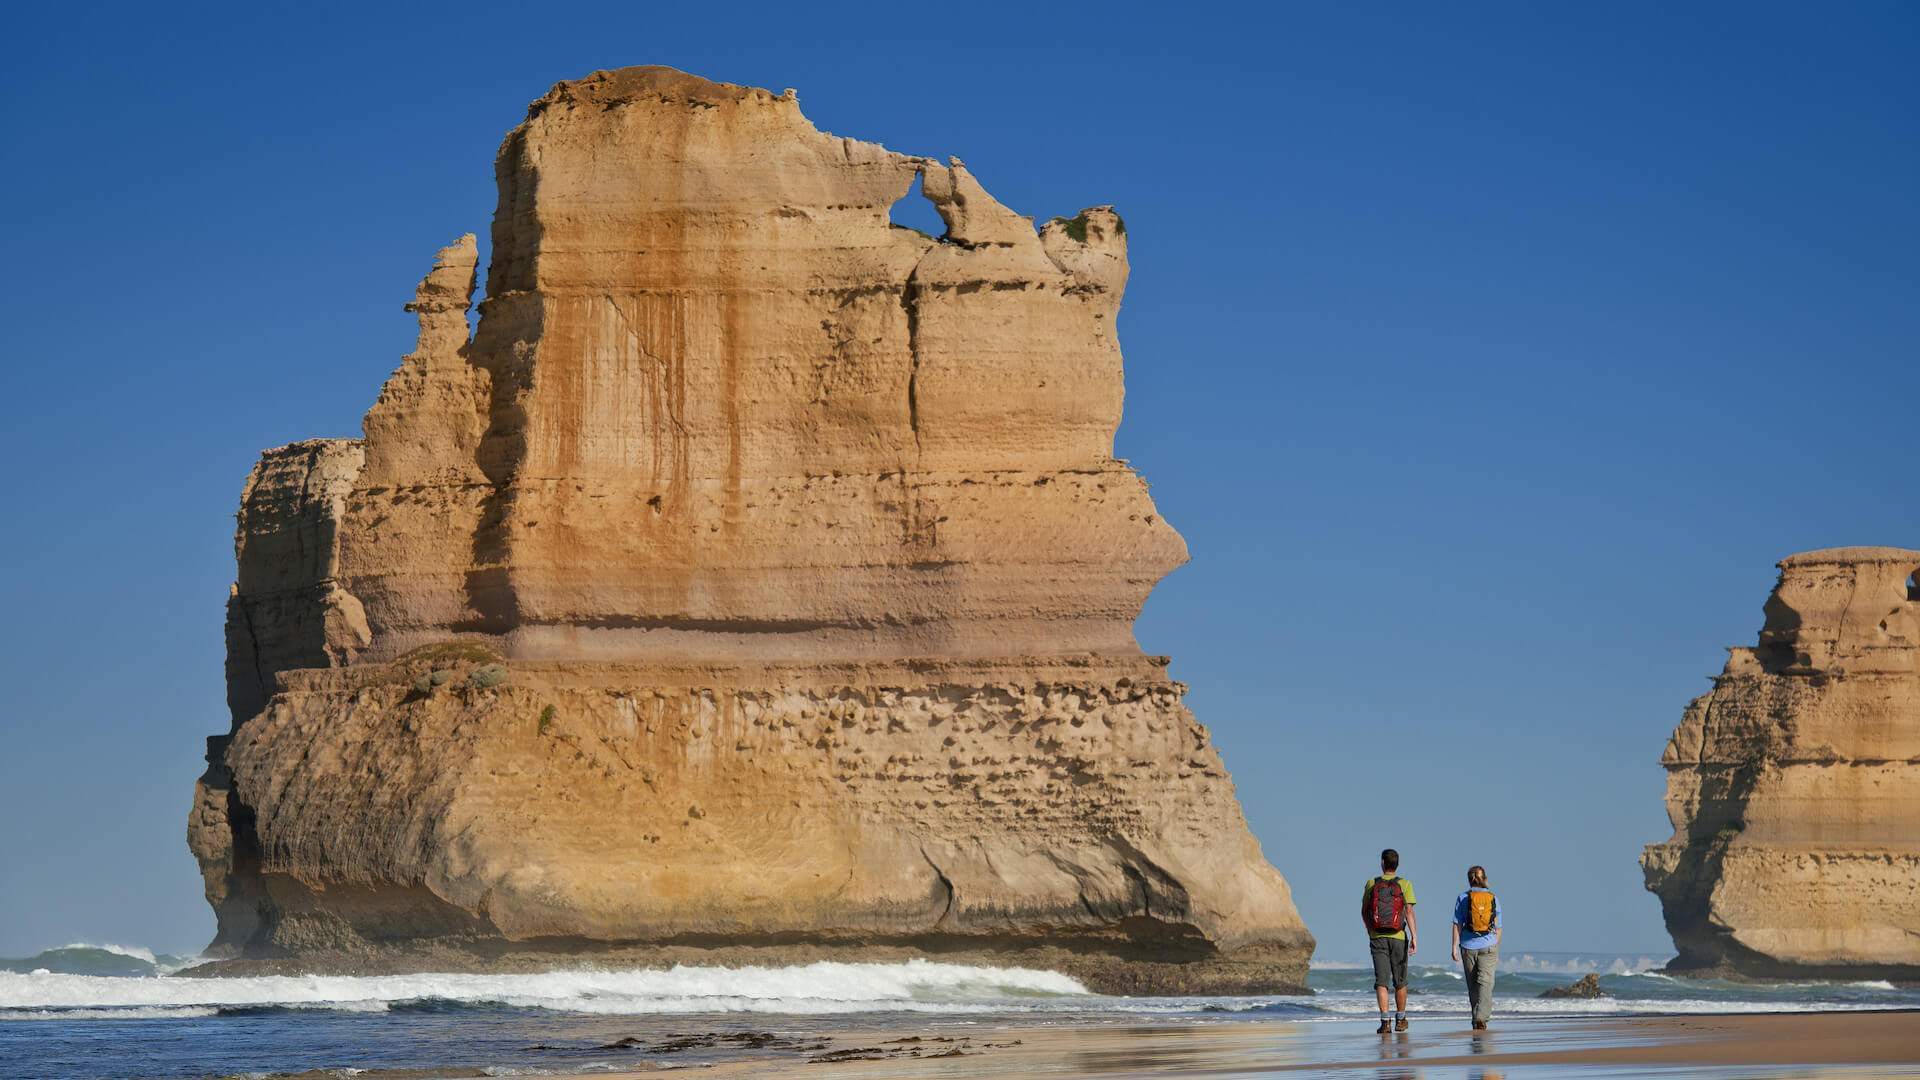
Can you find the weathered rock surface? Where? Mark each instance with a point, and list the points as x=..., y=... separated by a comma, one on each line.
x=756, y=582
x=1794, y=786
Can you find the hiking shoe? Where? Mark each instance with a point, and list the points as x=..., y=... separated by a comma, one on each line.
x=1479, y=1025
x=1385, y=1027
x=1400, y=1024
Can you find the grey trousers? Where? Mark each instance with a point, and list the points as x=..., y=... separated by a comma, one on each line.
x=1479, y=965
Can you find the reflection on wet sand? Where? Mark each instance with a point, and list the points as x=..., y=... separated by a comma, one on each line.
x=1481, y=1042
x=1164, y=1049
x=1877, y=1045
x=1397, y=1047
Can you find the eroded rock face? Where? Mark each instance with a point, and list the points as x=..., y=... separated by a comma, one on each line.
x=758, y=579
x=1794, y=786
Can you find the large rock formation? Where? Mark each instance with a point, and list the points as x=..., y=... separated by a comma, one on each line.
x=756, y=583
x=1794, y=786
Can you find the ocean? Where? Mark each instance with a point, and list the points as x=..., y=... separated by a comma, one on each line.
x=60, y=1017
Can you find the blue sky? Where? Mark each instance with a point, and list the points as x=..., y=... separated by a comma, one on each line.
x=1488, y=356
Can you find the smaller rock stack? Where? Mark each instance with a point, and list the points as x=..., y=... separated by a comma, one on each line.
x=1794, y=786
x=1586, y=987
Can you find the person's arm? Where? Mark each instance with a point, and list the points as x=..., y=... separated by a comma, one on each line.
x=1455, y=948
x=1496, y=922
x=1413, y=932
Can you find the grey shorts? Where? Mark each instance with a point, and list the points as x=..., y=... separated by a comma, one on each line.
x=1389, y=961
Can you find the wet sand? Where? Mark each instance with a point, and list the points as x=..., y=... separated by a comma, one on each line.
x=1876, y=1044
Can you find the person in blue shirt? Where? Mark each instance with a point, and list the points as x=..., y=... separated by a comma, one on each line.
x=1476, y=942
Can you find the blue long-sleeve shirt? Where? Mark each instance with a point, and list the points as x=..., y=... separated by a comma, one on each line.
x=1469, y=939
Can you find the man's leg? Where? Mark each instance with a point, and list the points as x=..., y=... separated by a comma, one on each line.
x=1470, y=968
x=1399, y=983
x=1382, y=975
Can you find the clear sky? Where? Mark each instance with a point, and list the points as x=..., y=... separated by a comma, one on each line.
x=1488, y=356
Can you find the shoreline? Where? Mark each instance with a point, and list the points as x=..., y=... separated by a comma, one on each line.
x=1889, y=1039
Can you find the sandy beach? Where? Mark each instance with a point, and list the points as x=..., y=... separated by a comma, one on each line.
x=1878, y=1044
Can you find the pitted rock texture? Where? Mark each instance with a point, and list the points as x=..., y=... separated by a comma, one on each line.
x=758, y=576
x=1794, y=786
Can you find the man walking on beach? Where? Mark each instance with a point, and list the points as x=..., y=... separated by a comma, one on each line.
x=1386, y=907
x=1476, y=936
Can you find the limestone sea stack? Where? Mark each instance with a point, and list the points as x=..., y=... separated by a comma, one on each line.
x=756, y=584
x=1794, y=786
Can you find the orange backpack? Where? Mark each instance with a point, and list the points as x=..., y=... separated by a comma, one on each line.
x=1479, y=911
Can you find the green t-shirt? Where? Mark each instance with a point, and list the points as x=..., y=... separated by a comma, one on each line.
x=1366, y=897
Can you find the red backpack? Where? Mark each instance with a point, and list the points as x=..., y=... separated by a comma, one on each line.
x=1386, y=906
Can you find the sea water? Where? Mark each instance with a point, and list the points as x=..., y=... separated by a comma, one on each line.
x=59, y=1020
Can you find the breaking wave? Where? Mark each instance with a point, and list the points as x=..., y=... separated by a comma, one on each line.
x=84, y=958
x=1340, y=991
x=822, y=988
x=132, y=1012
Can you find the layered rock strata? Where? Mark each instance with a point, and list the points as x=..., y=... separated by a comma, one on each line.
x=1794, y=786
x=755, y=583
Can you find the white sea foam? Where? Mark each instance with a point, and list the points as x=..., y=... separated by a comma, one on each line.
x=916, y=985
x=138, y=1012
x=573, y=1069
x=823, y=988
x=1350, y=1003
